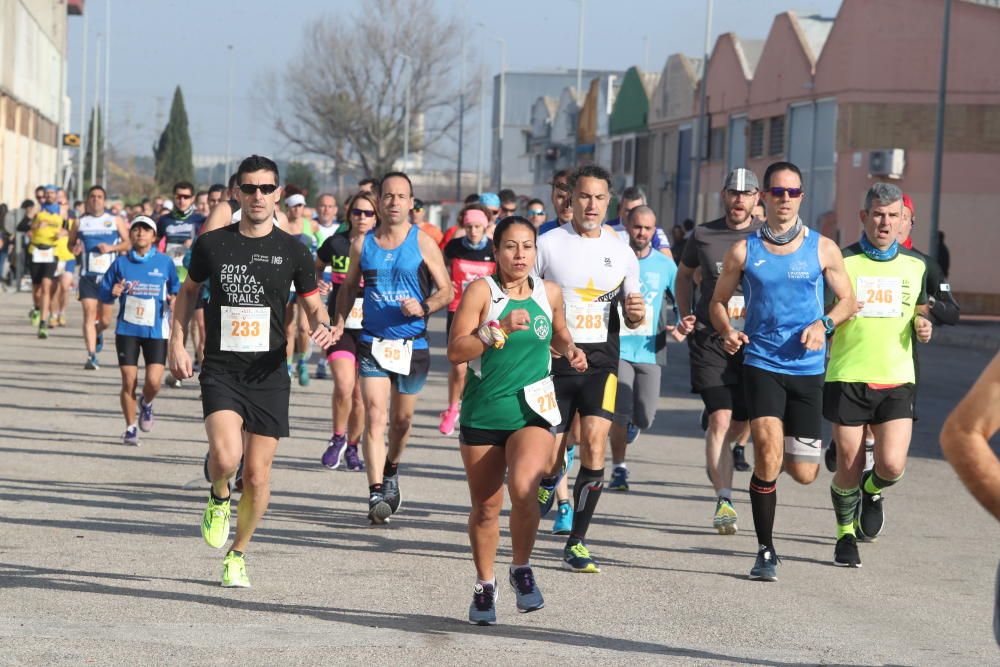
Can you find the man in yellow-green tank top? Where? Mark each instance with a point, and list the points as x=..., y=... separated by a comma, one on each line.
x=870, y=378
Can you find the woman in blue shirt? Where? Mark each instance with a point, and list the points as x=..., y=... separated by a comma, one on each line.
x=144, y=281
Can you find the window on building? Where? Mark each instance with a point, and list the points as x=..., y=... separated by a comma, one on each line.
x=716, y=144
x=616, y=157
x=627, y=159
x=776, y=136
x=757, y=138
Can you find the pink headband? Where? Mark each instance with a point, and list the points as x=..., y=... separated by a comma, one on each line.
x=475, y=215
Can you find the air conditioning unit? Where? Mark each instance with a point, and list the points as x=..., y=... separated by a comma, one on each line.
x=888, y=162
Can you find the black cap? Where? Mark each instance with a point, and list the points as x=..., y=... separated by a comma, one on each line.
x=418, y=203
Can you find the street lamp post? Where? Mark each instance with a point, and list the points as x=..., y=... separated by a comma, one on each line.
x=579, y=54
x=503, y=92
x=229, y=114
x=107, y=94
x=95, y=126
x=702, y=117
x=83, y=112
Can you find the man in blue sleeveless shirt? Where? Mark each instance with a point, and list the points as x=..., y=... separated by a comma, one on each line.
x=399, y=263
x=784, y=268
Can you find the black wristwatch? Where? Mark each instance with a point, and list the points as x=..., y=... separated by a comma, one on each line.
x=828, y=324
x=427, y=309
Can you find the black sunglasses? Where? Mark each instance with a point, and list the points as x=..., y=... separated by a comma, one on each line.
x=250, y=188
x=362, y=212
x=793, y=193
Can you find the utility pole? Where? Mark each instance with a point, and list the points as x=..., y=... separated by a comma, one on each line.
x=95, y=127
x=932, y=245
x=702, y=116
x=503, y=93
x=461, y=118
x=229, y=116
x=107, y=95
x=83, y=113
x=481, y=165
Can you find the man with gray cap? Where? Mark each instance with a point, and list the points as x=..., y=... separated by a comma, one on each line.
x=716, y=375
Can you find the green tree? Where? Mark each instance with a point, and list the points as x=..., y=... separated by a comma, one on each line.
x=94, y=131
x=301, y=175
x=173, y=150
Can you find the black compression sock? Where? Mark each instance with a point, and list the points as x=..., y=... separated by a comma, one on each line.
x=763, y=500
x=586, y=493
x=375, y=488
x=217, y=498
x=390, y=468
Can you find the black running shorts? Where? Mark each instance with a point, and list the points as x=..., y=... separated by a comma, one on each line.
x=154, y=350
x=262, y=405
x=797, y=400
x=42, y=270
x=856, y=403
x=711, y=365
x=589, y=395
x=89, y=287
x=471, y=436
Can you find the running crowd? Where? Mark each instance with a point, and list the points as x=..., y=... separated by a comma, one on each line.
x=557, y=336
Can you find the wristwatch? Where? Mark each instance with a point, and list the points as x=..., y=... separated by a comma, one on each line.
x=828, y=323
x=427, y=309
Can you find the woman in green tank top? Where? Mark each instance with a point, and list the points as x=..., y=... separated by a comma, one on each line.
x=504, y=327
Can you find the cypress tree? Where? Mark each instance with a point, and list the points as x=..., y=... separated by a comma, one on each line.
x=173, y=150
x=88, y=178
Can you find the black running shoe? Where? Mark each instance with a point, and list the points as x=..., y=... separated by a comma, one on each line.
x=872, y=519
x=390, y=489
x=379, y=510
x=830, y=458
x=846, y=554
x=740, y=459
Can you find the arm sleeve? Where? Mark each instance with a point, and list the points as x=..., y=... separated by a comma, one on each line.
x=107, y=282
x=199, y=266
x=690, y=255
x=944, y=308
x=304, y=277
x=173, y=281
x=325, y=252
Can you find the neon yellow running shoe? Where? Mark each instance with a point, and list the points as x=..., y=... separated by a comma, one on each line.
x=576, y=557
x=234, y=571
x=725, y=517
x=215, y=522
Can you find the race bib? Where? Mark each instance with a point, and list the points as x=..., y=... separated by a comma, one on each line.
x=176, y=252
x=393, y=355
x=140, y=312
x=883, y=296
x=43, y=255
x=354, y=317
x=645, y=328
x=588, y=322
x=737, y=311
x=541, y=397
x=99, y=262
x=246, y=329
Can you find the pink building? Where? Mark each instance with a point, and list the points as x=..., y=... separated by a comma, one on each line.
x=843, y=98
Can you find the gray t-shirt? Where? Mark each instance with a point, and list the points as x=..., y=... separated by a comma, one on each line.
x=707, y=249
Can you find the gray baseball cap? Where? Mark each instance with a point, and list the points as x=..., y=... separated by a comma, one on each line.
x=741, y=180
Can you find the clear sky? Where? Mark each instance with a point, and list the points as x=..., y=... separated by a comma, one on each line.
x=158, y=44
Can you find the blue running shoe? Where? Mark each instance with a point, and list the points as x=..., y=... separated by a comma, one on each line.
x=564, y=519
x=321, y=372
x=146, y=419
x=91, y=363
x=570, y=457
x=619, y=479
x=131, y=437
x=529, y=598
x=631, y=433
x=547, y=494
x=576, y=557
x=483, y=610
x=99, y=346
x=352, y=460
x=766, y=566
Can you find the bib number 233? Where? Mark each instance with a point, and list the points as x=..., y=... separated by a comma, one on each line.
x=245, y=329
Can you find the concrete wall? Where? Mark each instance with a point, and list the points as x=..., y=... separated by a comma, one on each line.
x=32, y=46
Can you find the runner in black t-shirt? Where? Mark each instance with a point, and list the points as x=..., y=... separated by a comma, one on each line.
x=244, y=383
x=348, y=408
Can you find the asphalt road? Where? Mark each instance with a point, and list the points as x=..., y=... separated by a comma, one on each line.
x=101, y=560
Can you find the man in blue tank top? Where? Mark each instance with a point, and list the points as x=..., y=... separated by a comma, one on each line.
x=399, y=264
x=784, y=268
